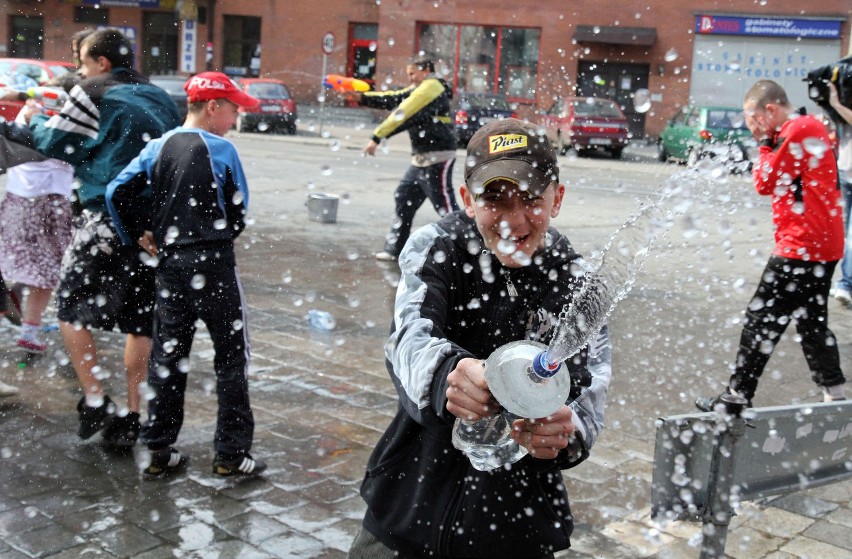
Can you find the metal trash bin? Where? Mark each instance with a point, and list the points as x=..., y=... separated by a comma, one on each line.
x=322, y=207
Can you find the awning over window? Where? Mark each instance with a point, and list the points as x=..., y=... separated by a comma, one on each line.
x=644, y=36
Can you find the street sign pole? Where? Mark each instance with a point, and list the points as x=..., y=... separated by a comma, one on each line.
x=328, y=42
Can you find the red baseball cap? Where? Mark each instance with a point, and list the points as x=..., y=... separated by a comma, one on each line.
x=216, y=85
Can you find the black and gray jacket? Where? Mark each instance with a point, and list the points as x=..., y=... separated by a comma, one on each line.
x=453, y=301
x=423, y=110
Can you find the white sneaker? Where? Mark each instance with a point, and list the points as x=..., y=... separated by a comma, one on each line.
x=388, y=257
x=7, y=390
x=842, y=295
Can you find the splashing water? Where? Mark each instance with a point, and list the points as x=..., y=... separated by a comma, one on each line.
x=611, y=280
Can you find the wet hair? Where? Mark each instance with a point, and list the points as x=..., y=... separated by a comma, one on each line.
x=198, y=106
x=112, y=45
x=77, y=40
x=765, y=92
x=422, y=63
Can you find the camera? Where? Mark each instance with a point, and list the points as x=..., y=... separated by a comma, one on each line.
x=840, y=74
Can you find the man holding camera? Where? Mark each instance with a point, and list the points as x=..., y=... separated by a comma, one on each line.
x=843, y=290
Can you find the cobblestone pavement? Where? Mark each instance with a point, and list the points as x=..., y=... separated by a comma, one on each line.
x=321, y=399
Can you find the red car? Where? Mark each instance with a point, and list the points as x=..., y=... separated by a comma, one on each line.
x=584, y=123
x=277, y=109
x=39, y=70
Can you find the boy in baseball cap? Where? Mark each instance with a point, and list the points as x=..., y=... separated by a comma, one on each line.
x=492, y=273
x=163, y=199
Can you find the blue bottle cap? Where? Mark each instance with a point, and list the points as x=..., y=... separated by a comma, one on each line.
x=542, y=368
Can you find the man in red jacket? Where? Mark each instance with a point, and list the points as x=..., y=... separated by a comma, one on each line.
x=797, y=169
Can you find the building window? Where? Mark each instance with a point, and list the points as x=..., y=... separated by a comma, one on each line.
x=484, y=59
x=27, y=37
x=96, y=16
x=241, y=56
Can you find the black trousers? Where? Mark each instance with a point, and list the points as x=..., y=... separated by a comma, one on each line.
x=434, y=182
x=215, y=296
x=789, y=290
x=367, y=546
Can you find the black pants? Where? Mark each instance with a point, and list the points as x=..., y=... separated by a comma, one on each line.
x=434, y=182
x=789, y=290
x=367, y=546
x=216, y=297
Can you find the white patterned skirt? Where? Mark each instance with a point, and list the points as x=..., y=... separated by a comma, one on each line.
x=34, y=233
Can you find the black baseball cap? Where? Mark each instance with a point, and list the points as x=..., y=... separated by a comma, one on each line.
x=511, y=150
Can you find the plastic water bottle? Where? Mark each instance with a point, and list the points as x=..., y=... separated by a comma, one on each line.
x=487, y=443
x=525, y=386
x=321, y=320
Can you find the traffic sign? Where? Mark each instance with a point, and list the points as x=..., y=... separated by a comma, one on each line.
x=328, y=43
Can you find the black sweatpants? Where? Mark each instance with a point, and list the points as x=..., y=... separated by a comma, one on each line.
x=789, y=290
x=434, y=182
x=214, y=295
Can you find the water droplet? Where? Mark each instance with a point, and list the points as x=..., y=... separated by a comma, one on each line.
x=642, y=100
x=671, y=55
x=198, y=281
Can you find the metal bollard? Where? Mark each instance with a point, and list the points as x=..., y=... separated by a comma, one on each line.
x=718, y=513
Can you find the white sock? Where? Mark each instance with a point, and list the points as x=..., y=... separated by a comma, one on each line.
x=833, y=393
x=29, y=332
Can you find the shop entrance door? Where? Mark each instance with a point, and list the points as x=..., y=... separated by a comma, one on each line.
x=617, y=82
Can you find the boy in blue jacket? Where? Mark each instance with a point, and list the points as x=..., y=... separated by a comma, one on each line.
x=185, y=197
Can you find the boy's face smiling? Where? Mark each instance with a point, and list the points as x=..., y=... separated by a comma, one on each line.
x=512, y=221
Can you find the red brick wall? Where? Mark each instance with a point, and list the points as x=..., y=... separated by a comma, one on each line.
x=291, y=33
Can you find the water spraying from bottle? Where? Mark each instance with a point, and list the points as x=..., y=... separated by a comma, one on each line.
x=527, y=378
x=609, y=282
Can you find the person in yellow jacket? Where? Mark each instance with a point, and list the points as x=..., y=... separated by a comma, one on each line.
x=423, y=109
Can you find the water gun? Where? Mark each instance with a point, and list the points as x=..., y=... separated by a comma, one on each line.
x=52, y=99
x=342, y=83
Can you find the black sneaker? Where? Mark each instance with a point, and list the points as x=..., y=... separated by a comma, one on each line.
x=122, y=430
x=709, y=403
x=164, y=461
x=93, y=420
x=243, y=465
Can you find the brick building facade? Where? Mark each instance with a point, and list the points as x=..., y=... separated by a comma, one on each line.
x=532, y=51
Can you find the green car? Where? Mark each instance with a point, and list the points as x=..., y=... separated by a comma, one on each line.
x=696, y=133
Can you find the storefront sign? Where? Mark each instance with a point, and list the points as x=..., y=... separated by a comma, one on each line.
x=124, y=3
x=768, y=27
x=188, y=39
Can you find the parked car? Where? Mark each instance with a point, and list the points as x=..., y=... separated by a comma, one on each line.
x=277, y=109
x=703, y=132
x=584, y=123
x=472, y=110
x=173, y=85
x=40, y=71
